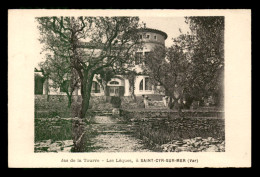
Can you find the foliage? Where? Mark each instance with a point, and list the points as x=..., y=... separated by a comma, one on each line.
x=44, y=130
x=192, y=68
x=170, y=68
x=209, y=35
x=208, y=56
x=115, y=101
x=90, y=44
x=103, y=77
x=61, y=74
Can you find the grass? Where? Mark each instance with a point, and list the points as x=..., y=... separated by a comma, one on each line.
x=46, y=129
x=56, y=130
x=61, y=130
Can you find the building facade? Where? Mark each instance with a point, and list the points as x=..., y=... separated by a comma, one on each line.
x=119, y=85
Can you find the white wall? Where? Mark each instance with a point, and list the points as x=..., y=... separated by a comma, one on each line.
x=127, y=85
x=122, y=82
x=137, y=83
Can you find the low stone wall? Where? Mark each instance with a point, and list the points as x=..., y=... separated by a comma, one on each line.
x=55, y=102
x=157, y=131
x=57, y=106
x=51, y=114
x=64, y=98
x=188, y=122
x=145, y=113
x=59, y=103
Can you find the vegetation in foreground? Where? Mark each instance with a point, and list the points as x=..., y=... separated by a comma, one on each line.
x=157, y=133
x=56, y=129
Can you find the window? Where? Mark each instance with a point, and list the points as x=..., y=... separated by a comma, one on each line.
x=147, y=36
x=114, y=91
x=145, y=84
x=114, y=83
x=140, y=36
x=95, y=87
x=148, y=85
x=155, y=37
x=141, y=87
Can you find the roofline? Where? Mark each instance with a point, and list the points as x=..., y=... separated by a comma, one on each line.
x=154, y=31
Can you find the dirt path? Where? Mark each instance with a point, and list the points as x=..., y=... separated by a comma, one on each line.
x=113, y=137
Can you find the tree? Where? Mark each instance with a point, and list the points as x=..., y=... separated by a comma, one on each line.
x=194, y=65
x=103, y=77
x=90, y=44
x=61, y=75
x=208, y=56
x=131, y=75
x=170, y=68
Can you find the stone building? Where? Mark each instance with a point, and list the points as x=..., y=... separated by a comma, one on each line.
x=119, y=85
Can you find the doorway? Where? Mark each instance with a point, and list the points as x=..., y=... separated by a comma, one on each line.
x=114, y=91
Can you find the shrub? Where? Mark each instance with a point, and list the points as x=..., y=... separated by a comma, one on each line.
x=44, y=130
x=115, y=101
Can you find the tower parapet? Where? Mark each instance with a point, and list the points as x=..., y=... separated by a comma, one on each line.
x=152, y=36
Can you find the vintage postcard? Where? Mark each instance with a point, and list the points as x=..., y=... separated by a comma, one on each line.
x=129, y=88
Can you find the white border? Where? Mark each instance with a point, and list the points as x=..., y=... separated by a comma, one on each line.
x=22, y=52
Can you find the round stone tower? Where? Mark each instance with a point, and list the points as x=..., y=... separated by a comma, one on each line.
x=150, y=38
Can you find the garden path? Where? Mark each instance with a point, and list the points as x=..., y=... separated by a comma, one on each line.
x=113, y=136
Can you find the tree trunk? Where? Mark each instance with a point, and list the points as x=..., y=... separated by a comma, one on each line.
x=86, y=85
x=133, y=95
x=170, y=104
x=47, y=89
x=69, y=100
x=105, y=92
x=132, y=90
x=178, y=106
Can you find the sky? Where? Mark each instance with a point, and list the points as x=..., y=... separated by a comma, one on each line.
x=169, y=25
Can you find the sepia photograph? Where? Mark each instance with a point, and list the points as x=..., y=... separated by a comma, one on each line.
x=127, y=83
x=114, y=84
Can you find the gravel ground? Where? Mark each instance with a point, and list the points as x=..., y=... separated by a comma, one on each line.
x=117, y=142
